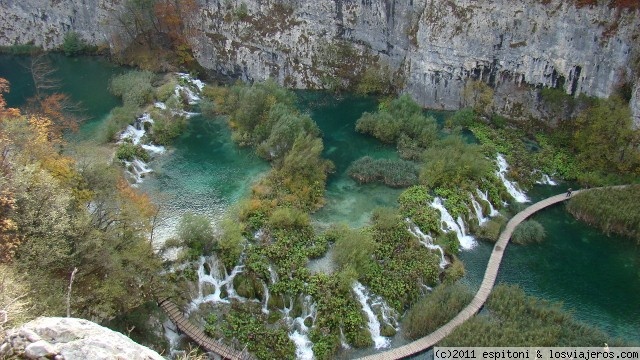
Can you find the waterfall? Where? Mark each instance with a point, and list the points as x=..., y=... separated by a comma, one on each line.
x=427, y=241
x=484, y=196
x=374, y=325
x=466, y=241
x=216, y=279
x=300, y=332
x=512, y=188
x=478, y=210
x=546, y=180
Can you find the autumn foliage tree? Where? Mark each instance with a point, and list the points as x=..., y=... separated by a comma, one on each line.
x=57, y=215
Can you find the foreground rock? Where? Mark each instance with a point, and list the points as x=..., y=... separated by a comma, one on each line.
x=70, y=339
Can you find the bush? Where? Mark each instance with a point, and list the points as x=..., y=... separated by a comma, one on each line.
x=196, y=232
x=119, y=117
x=435, y=310
x=393, y=173
x=166, y=128
x=491, y=229
x=402, y=118
x=128, y=151
x=134, y=87
x=73, y=45
x=451, y=162
x=527, y=232
x=354, y=248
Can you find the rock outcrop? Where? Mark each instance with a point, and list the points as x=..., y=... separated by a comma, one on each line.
x=71, y=339
x=434, y=45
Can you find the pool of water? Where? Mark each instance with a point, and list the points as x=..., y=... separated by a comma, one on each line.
x=596, y=277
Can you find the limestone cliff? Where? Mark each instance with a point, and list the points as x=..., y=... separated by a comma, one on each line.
x=435, y=46
x=70, y=339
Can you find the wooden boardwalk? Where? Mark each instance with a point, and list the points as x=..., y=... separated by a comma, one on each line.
x=197, y=335
x=483, y=293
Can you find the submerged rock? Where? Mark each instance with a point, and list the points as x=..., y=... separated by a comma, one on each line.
x=69, y=339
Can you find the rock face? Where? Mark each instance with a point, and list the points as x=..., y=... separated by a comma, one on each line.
x=71, y=339
x=434, y=45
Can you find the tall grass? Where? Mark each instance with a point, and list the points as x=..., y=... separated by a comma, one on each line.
x=614, y=211
x=435, y=310
x=514, y=319
x=393, y=173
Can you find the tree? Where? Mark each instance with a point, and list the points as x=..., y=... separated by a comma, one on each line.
x=195, y=231
x=48, y=101
x=605, y=138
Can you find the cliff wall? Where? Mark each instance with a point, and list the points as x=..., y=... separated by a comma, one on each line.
x=434, y=46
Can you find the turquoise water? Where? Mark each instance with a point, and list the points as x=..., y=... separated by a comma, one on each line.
x=204, y=172
x=346, y=200
x=595, y=276
x=85, y=79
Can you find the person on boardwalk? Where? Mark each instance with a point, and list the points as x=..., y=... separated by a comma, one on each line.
x=569, y=192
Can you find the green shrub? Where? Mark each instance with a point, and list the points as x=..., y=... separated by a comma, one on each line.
x=134, y=87
x=401, y=122
x=166, y=128
x=354, y=248
x=527, y=232
x=127, y=151
x=72, y=44
x=491, y=229
x=196, y=232
x=449, y=242
x=435, y=310
x=118, y=119
x=393, y=173
x=462, y=118
x=452, y=163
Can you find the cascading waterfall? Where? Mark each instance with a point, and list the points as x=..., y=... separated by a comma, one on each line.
x=427, y=241
x=466, y=241
x=299, y=331
x=546, y=180
x=274, y=278
x=361, y=292
x=512, y=188
x=478, y=211
x=485, y=197
x=216, y=279
x=138, y=169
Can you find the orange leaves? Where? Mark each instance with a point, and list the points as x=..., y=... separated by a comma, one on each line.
x=139, y=202
x=9, y=240
x=4, y=111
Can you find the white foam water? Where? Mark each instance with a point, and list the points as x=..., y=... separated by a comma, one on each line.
x=448, y=224
x=546, y=180
x=512, y=187
x=374, y=325
x=478, y=211
x=214, y=278
x=427, y=241
x=484, y=196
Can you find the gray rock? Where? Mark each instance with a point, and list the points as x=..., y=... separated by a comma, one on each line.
x=76, y=339
x=29, y=335
x=39, y=349
x=438, y=45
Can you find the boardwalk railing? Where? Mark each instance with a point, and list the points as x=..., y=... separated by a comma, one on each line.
x=198, y=336
x=483, y=293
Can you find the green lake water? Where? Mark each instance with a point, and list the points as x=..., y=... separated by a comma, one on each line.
x=595, y=276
